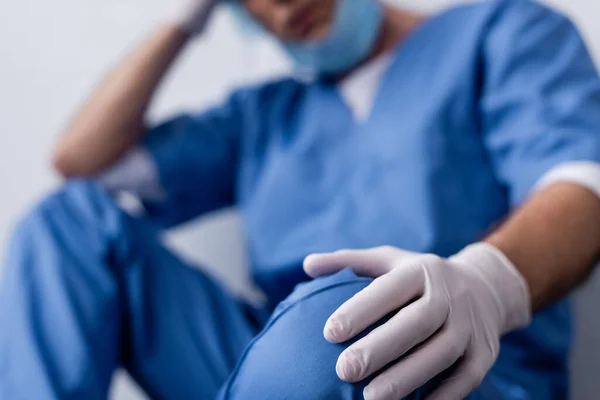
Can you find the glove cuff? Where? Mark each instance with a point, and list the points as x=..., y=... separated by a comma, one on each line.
x=505, y=282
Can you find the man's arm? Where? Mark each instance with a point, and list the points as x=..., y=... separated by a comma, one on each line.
x=553, y=240
x=457, y=309
x=112, y=120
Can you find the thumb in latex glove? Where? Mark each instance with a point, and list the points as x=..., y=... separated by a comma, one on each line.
x=445, y=312
x=192, y=15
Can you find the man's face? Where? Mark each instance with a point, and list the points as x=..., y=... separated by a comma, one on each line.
x=294, y=20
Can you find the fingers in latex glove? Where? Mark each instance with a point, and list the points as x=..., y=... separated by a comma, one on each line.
x=370, y=262
x=375, y=351
x=192, y=15
x=441, y=311
x=411, y=325
x=407, y=376
x=373, y=303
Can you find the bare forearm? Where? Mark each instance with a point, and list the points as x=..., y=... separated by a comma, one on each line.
x=112, y=120
x=554, y=240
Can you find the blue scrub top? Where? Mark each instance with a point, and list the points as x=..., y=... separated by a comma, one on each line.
x=479, y=103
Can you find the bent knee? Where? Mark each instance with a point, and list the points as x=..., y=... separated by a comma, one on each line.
x=79, y=215
x=291, y=358
x=77, y=202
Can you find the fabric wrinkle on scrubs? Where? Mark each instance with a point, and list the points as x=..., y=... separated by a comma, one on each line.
x=477, y=105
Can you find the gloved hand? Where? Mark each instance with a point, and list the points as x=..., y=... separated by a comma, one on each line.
x=192, y=15
x=446, y=310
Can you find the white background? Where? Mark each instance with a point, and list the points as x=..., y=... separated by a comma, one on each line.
x=52, y=53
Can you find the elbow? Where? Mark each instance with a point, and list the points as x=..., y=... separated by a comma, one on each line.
x=63, y=163
x=70, y=162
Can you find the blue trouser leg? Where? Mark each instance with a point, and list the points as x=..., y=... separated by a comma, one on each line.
x=290, y=359
x=86, y=289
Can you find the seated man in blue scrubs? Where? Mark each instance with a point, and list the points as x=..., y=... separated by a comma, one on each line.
x=438, y=176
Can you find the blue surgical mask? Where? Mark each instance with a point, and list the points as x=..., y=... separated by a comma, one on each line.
x=351, y=38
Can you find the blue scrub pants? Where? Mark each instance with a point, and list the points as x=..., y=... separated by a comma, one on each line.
x=87, y=289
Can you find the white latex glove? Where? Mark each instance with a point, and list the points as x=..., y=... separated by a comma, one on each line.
x=192, y=15
x=446, y=310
